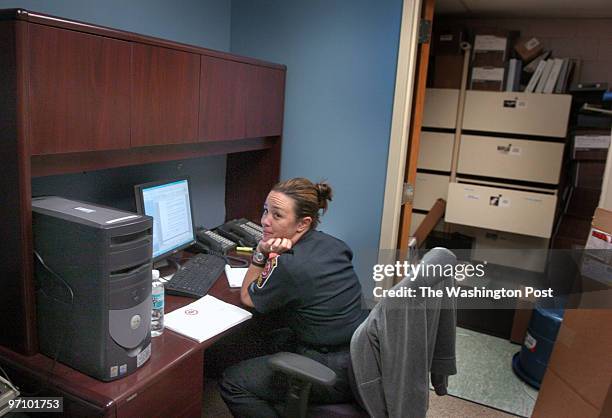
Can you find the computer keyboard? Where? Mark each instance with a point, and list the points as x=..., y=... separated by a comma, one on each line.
x=196, y=276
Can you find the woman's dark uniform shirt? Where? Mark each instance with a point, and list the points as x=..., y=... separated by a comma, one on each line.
x=315, y=287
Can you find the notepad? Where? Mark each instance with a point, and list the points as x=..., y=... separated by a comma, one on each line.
x=205, y=318
x=235, y=275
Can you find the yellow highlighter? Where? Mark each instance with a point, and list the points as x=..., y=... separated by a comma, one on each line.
x=244, y=249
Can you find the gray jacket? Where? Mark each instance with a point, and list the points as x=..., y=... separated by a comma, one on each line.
x=401, y=342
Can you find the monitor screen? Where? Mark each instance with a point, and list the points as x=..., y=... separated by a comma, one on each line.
x=169, y=204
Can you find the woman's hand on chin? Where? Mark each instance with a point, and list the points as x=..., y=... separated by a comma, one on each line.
x=274, y=245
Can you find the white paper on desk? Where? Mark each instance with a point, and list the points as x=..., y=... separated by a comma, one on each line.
x=205, y=318
x=235, y=275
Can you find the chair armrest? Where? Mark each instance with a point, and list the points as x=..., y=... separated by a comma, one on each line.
x=303, y=368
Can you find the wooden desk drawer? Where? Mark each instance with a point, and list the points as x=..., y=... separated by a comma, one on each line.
x=519, y=212
x=517, y=113
x=440, y=108
x=507, y=158
x=428, y=188
x=435, y=151
x=176, y=393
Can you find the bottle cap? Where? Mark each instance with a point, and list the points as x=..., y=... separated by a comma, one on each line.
x=155, y=274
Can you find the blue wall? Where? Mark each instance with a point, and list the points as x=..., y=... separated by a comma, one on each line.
x=203, y=23
x=341, y=60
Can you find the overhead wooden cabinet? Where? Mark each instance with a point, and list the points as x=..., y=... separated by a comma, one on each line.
x=239, y=100
x=265, y=101
x=223, y=99
x=77, y=97
x=79, y=91
x=165, y=99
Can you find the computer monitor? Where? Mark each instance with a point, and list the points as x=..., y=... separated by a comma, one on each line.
x=168, y=202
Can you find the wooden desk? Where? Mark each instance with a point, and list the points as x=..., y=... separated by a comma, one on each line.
x=170, y=384
x=78, y=97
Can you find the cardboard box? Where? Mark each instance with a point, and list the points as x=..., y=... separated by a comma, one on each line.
x=487, y=78
x=528, y=48
x=447, y=40
x=590, y=145
x=597, y=259
x=581, y=356
x=556, y=399
x=491, y=47
x=447, y=71
x=602, y=220
x=579, y=375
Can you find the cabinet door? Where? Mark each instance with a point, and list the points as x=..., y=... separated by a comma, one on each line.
x=223, y=99
x=79, y=91
x=165, y=98
x=266, y=90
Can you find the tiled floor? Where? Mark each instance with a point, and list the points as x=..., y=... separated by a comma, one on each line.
x=485, y=374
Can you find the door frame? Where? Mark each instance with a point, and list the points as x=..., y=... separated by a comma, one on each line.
x=400, y=128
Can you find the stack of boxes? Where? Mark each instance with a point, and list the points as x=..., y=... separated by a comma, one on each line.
x=587, y=165
x=490, y=53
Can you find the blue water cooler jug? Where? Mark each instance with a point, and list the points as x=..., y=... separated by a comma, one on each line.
x=530, y=363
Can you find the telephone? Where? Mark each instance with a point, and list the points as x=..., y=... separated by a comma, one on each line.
x=211, y=242
x=242, y=231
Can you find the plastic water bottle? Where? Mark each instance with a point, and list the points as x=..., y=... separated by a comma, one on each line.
x=157, y=314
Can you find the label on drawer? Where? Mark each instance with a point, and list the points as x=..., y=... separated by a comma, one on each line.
x=499, y=201
x=471, y=196
x=514, y=103
x=509, y=149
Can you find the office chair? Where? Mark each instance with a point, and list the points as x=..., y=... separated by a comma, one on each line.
x=414, y=337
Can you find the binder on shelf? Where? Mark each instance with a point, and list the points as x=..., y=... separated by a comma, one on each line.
x=513, y=79
x=560, y=86
x=533, y=81
x=533, y=65
x=545, y=73
x=549, y=87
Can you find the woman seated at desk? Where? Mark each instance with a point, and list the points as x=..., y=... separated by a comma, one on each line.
x=307, y=277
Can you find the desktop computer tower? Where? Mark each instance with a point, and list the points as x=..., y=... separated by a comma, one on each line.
x=93, y=286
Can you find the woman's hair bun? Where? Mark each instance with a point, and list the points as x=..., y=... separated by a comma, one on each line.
x=324, y=193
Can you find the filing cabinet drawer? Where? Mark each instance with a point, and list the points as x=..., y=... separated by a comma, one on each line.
x=428, y=188
x=516, y=211
x=517, y=113
x=440, y=108
x=507, y=158
x=507, y=249
x=416, y=220
x=435, y=151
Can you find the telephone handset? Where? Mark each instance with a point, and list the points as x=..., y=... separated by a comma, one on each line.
x=213, y=242
x=243, y=231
